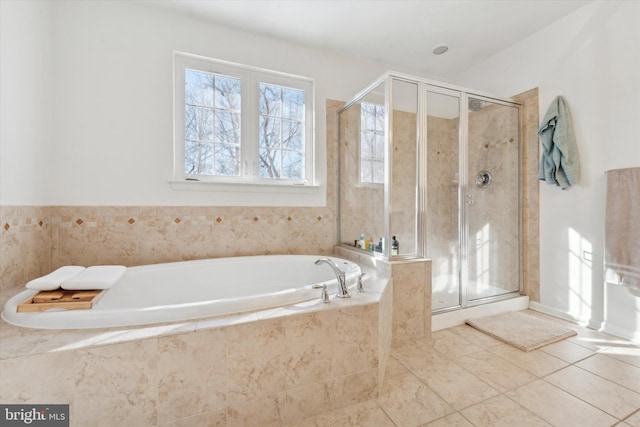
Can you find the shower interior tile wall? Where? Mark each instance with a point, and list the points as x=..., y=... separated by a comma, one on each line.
x=404, y=179
x=493, y=205
x=366, y=202
x=363, y=202
x=442, y=200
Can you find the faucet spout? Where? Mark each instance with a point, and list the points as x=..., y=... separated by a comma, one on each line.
x=343, y=292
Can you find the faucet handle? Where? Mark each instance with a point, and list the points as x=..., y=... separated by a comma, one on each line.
x=324, y=297
x=360, y=287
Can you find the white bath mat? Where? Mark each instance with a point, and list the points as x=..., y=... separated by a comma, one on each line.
x=521, y=330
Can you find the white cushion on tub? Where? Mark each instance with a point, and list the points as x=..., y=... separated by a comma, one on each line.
x=95, y=277
x=53, y=280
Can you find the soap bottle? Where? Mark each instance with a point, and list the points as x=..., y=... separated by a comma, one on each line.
x=361, y=245
x=395, y=247
x=372, y=245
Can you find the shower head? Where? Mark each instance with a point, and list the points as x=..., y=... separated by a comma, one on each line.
x=476, y=104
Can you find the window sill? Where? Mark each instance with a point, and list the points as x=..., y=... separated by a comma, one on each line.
x=250, y=194
x=243, y=187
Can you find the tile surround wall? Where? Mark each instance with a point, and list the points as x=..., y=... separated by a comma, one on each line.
x=530, y=193
x=268, y=372
x=25, y=246
x=411, y=300
x=409, y=291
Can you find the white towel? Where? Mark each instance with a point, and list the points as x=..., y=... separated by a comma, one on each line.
x=52, y=281
x=95, y=277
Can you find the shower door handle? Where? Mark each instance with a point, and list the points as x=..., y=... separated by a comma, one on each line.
x=470, y=200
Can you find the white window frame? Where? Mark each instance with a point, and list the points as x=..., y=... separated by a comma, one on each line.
x=249, y=178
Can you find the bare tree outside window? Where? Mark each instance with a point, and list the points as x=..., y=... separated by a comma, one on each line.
x=371, y=143
x=281, y=132
x=212, y=124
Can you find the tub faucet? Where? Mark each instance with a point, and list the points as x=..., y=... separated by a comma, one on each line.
x=343, y=292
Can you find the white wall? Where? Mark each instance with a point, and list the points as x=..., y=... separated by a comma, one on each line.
x=26, y=102
x=592, y=58
x=87, y=98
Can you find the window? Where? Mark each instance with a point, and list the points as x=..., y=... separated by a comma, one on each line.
x=281, y=132
x=212, y=124
x=371, y=143
x=242, y=125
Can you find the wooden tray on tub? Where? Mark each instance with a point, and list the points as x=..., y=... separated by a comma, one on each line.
x=60, y=299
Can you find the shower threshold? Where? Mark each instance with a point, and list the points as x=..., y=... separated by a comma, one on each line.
x=448, y=319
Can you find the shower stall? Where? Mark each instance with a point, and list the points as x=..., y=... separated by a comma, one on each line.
x=429, y=170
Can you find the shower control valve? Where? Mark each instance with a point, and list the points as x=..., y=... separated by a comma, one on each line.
x=483, y=179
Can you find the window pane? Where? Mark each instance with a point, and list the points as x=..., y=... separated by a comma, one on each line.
x=270, y=163
x=190, y=127
x=198, y=158
x=292, y=135
x=378, y=172
x=198, y=88
x=365, y=171
x=269, y=132
x=270, y=100
x=227, y=160
x=293, y=104
x=379, y=113
x=212, y=115
x=379, y=147
x=198, y=123
x=227, y=128
x=372, y=143
x=292, y=165
x=367, y=117
x=227, y=93
x=366, y=145
x=281, y=128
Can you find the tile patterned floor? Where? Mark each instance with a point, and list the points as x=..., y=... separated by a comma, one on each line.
x=462, y=377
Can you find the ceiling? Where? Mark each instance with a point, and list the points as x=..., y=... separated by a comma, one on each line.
x=399, y=33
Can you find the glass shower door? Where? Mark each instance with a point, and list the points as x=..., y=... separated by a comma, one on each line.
x=443, y=213
x=492, y=200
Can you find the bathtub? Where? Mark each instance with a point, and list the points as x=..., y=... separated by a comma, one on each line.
x=186, y=290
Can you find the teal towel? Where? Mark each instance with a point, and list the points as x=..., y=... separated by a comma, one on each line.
x=559, y=163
